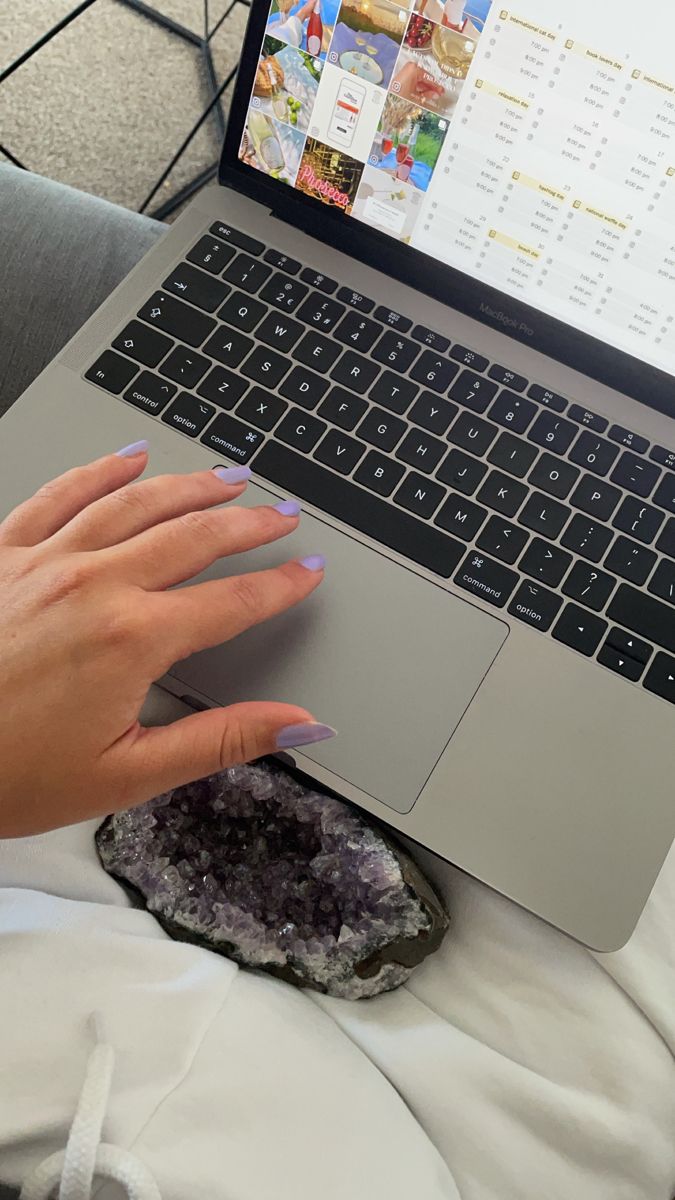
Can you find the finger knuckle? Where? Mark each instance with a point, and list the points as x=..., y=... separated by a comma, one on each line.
x=122, y=626
x=67, y=579
x=237, y=745
x=133, y=500
x=246, y=595
x=199, y=524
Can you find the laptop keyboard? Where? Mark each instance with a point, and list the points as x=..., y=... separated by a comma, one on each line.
x=533, y=504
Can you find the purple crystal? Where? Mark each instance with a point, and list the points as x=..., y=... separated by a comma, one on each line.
x=278, y=877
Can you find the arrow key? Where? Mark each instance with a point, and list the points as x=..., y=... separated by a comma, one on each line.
x=580, y=630
x=146, y=345
x=660, y=678
x=628, y=645
x=628, y=668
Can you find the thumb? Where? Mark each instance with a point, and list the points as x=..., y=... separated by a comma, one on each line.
x=169, y=756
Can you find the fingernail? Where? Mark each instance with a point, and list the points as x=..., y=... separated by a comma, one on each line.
x=134, y=448
x=233, y=474
x=303, y=735
x=314, y=562
x=289, y=508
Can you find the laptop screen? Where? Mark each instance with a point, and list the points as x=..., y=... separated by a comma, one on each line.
x=532, y=148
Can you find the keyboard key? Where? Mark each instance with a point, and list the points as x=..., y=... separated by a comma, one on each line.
x=660, y=678
x=112, y=372
x=628, y=645
x=473, y=391
x=261, y=408
x=150, y=393
x=148, y=346
x=640, y=520
x=304, y=387
x=279, y=331
x=548, y=398
x=393, y=393
x=378, y=519
x=211, y=254
x=662, y=582
x=395, y=351
x=630, y=561
x=553, y=476
x=593, y=453
x=472, y=433
x=247, y=273
x=223, y=387
x=665, y=493
x=265, y=366
x=543, y=515
x=380, y=474
x=228, y=346
x=552, y=432
x=188, y=414
x=512, y=454
x=589, y=586
x=343, y=408
x=185, y=366
x=486, y=579
x=242, y=311
x=196, y=287
x=354, y=371
x=586, y=537
x=579, y=630
x=358, y=332
x=318, y=280
x=242, y=240
x=513, y=411
x=665, y=458
x=502, y=493
x=284, y=263
x=635, y=474
x=461, y=517
x=632, y=440
x=462, y=472
x=503, y=540
x=433, y=413
x=621, y=664
x=595, y=497
x=300, y=430
x=321, y=313
x=232, y=438
x=535, y=605
x=284, y=293
x=544, y=562
x=666, y=541
x=428, y=337
x=649, y=618
x=180, y=320
x=339, y=451
x=433, y=371
x=419, y=495
x=470, y=358
x=317, y=351
x=356, y=300
x=381, y=429
x=394, y=319
x=509, y=379
x=582, y=416
x=420, y=449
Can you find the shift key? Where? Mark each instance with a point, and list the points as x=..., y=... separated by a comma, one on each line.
x=486, y=579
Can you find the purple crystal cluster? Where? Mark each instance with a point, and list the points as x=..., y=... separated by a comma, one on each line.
x=256, y=866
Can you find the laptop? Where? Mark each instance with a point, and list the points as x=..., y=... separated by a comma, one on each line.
x=433, y=297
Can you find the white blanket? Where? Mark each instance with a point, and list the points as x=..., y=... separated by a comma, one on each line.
x=514, y=1066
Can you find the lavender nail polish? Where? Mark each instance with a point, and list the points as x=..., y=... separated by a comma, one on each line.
x=314, y=562
x=233, y=474
x=303, y=735
x=134, y=448
x=289, y=508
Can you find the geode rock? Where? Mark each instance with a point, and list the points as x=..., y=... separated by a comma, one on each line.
x=252, y=864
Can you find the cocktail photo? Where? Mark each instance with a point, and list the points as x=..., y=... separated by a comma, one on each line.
x=408, y=142
x=436, y=57
x=286, y=83
x=367, y=39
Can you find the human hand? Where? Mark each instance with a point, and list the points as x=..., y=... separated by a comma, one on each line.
x=87, y=624
x=417, y=85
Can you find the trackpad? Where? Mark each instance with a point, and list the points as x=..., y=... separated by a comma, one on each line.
x=389, y=659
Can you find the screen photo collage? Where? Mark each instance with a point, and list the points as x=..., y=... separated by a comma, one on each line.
x=353, y=99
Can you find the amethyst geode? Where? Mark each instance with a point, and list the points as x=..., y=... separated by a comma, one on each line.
x=253, y=865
